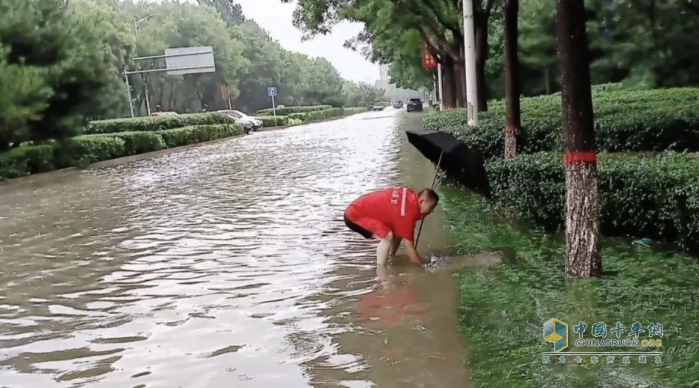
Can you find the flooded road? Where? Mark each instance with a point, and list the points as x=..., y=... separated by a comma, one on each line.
x=225, y=265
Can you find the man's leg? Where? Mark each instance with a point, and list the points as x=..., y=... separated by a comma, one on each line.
x=384, y=249
x=395, y=244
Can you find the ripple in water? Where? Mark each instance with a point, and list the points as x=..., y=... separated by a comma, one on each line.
x=221, y=265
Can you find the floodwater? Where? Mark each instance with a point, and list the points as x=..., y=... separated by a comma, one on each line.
x=225, y=265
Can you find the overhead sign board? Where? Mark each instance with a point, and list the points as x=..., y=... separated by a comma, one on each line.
x=190, y=60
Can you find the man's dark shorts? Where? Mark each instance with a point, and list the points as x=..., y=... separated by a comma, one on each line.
x=363, y=232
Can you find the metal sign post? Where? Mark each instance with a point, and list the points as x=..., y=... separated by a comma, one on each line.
x=272, y=92
x=178, y=61
x=128, y=89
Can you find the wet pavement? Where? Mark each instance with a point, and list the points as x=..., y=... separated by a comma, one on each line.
x=225, y=265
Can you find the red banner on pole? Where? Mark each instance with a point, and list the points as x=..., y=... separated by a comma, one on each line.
x=428, y=60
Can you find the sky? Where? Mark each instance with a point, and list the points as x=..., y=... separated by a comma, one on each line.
x=277, y=19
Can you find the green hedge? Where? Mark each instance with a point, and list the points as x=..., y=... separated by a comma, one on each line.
x=139, y=142
x=354, y=110
x=318, y=115
x=292, y=109
x=82, y=150
x=150, y=124
x=271, y=121
x=14, y=163
x=641, y=195
x=648, y=120
x=196, y=134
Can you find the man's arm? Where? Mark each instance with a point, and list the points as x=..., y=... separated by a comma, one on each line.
x=412, y=253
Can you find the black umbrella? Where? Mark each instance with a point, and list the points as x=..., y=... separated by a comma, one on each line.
x=457, y=160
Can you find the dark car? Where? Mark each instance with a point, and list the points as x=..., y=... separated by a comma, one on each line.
x=415, y=105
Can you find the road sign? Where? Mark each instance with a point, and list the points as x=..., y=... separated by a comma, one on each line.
x=190, y=60
x=272, y=91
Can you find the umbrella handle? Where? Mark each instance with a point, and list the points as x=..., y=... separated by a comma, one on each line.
x=434, y=180
x=436, y=171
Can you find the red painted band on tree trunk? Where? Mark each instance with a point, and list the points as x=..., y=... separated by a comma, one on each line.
x=581, y=156
x=511, y=128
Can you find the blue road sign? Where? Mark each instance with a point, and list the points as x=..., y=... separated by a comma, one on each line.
x=272, y=91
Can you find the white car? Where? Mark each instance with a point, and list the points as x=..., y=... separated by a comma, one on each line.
x=248, y=122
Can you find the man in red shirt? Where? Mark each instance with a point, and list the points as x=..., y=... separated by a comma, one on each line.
x=390, y=215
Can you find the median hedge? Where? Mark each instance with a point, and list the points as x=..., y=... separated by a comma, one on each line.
x=641, y=195
x=151, y=124
x=318, y=115
x=82, y=150
x=287, y=110
x=271, y=121
x=197, y=134
x=648, y=120
x=139, y=142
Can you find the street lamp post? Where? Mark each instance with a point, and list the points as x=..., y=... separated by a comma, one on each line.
x=470, y=59
x=137, y=23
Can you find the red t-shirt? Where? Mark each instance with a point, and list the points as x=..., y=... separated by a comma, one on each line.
x=395, y=209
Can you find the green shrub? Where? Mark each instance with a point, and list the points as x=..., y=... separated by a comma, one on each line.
x=41, y=158
x=138, y=142
x=271, y=121
x=196, y=134
x=28, y=160
x=14, y=164
x=292, y=109
x=647, y=120
x=640, y=195
x=80, y=151
x=150, y=124
x=354, y=110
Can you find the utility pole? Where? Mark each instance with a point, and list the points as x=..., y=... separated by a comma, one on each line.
x=439, y=86
x=582, y=227
x=470, y=59
x=137, y=23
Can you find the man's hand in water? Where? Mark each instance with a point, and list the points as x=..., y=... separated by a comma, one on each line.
x=415, y=258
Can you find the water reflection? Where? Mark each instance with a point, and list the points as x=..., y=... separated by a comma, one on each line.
x=223, y=265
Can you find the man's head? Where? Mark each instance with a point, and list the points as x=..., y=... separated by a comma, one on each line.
x=428, y=199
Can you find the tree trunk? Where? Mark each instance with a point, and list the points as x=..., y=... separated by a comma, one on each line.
x=459, y=85
x=548, y=80
x=583, y=252
x=481, y=37
x=448, y=86
x=510, y=9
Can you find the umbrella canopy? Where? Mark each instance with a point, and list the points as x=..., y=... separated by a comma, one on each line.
x=460, y=162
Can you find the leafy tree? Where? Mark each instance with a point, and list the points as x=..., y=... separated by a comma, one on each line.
x=53, y=76
x=437, y=22
x=231, y=12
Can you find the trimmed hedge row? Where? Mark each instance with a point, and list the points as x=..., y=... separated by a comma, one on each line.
x=198, y=134
x=152, y=124
x=648, y=120
x=292, y=109
x=318, y=115
x=271, y=121
x=641, y=195
x=82, y=150
x=293, y=118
